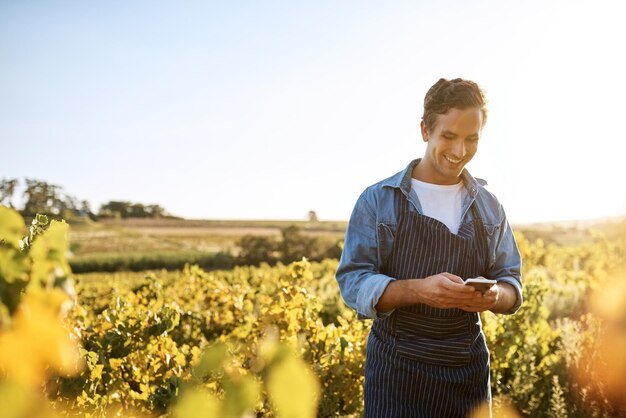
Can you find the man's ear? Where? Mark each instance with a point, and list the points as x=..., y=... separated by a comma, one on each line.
x=424, y=130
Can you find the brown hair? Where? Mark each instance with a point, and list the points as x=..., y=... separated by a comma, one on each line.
x=447, y=94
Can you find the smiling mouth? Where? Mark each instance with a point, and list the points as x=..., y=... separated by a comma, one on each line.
x=452, y=160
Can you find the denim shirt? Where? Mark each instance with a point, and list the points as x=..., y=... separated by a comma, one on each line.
x=370, y=236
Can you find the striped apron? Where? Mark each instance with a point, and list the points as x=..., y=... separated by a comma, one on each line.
x=423, y=361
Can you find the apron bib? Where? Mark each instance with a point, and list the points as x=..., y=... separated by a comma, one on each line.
x=424, y=361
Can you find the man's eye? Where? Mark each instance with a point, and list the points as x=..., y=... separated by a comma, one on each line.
x=448, y=136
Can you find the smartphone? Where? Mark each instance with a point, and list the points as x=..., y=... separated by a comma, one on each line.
x=480, y=284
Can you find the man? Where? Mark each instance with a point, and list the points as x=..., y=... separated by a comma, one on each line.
x=412, y=240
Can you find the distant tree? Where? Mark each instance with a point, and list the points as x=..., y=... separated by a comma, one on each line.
x=334, y=251
x=155, y=211
x=137, y=210
x=85, y=210
x=71, y=206
x=7, y=190
x=85, y=206
x=43, y=197
x=122, y=209
x=114, y=209
x=295, y=245
x=312, y=216
x=255, y=249
x=40, y=197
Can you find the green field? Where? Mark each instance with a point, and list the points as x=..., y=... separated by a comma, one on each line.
x=137, y=244
x=155, y=235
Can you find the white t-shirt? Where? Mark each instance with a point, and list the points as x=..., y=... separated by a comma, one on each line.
x=442, y=202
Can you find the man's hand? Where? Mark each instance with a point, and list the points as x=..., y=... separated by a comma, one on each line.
x=486, y=301
x=446, y=290
x=499, y=299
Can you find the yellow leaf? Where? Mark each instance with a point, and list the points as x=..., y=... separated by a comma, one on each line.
x=283, y=378
x=37, y=340
x=180, y=359
x=212, y=360
x=197, y=403
x=96, y=373
x=11, y=226
x=13, y=266
x=48, y=253
x=16, y=400
x=115, y=363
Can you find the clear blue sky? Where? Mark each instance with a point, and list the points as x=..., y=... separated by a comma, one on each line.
x=266, y=110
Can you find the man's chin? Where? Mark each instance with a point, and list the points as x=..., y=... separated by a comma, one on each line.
x=450, y=176
x=456, y=170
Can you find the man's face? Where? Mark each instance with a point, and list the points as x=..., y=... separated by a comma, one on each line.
x=452, y=143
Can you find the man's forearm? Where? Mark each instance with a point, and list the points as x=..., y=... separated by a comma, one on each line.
x=506, y=298
x=397, y=294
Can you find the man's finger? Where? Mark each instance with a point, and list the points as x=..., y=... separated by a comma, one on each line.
x=458, y=297
x=452, y=277
x=481, y=304
x=458, y=287
x=491, y=292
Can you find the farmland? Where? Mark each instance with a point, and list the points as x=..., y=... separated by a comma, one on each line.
x=127, y=237
x=154, y=235
x=233, y=342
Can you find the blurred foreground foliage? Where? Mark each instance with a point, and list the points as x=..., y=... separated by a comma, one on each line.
x=277, y=340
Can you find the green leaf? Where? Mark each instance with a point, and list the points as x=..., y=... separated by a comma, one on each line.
x=293, y=389
x=197, y=403
x=14, y=265
x=11, y=226
x=16, y=400
x=241, y=396
x=48, y=253
x=212, y=361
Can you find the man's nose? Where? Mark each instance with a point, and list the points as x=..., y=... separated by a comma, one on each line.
x=459, y=148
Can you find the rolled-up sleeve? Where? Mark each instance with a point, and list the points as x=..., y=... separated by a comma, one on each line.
x=358, y=274
x=507, y=266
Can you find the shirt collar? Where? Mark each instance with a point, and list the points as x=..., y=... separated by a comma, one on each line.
x=402, y=180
